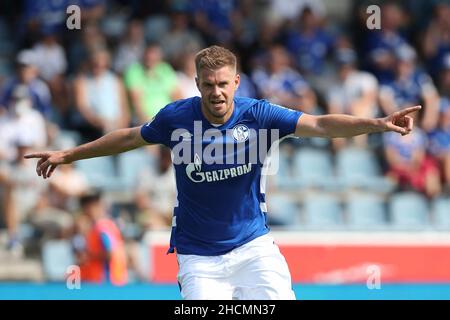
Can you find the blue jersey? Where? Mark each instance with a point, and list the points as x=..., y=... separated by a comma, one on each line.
x=220, y=189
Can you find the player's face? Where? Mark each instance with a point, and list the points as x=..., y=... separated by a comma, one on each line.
x=217, y=88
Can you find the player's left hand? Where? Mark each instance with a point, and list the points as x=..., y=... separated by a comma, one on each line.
x=400, y=122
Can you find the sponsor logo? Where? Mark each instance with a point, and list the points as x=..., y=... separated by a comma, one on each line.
x=195, y=173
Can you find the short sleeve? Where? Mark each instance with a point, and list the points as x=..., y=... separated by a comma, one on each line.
x=272, y=116
x=157, y=130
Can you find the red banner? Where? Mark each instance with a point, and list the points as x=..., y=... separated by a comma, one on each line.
x=343, y=263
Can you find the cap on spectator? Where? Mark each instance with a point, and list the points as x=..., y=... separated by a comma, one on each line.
x=26, y=57
x=405, y=53
x=345, y=56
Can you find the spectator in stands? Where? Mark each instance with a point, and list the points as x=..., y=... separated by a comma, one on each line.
x=69, y=183
x=155, y=194
x=100, y=99
x=20, y=121
x=354, y=93
x=44, y=14
x=269, y=33
x=89, y=39
x=51, y=62
x=213, y=19
x=99, y=248
x=131, y=47
x=409, y=88
x=186, y=76
x=50, y=56
x=282, y=84
x=27, y=74
x=245, y=27
x=381, y=44
x=290, y=10
x=180, y=38
x=92, y=10
x=246, y=87
x=444, y=77
x=152, y=84
x=7, y=209
x=309, y=43
x=436, y=42
x=409, y=165
x=23, y=192
x=439, y=145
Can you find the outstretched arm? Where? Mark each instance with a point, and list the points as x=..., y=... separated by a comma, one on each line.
x=112, y=143
x=344, y=126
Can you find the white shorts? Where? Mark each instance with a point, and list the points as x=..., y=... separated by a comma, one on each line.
x=255, y=271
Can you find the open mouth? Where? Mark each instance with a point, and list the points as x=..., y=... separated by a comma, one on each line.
x=217, y=103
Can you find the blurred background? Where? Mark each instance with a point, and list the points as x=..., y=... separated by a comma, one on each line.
x=345, y=212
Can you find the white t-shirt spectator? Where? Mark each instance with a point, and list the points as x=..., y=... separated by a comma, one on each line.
x=29, y=126
x=50, y=60
x=354, y=86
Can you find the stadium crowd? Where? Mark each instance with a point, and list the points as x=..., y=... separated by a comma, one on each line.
x=61, y=87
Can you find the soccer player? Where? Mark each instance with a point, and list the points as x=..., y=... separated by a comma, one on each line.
x=219, y=230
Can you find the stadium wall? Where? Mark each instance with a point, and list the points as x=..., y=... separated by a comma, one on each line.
x=340, y=257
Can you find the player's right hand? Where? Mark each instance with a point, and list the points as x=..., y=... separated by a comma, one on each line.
x=48, y=161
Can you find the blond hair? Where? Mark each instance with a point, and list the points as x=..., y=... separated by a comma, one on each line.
x=214, y=57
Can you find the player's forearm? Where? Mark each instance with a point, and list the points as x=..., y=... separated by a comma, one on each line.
x=343, y=126
x=112, y=143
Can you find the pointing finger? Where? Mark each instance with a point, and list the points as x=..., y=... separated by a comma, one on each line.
x=34, y=155
x=409, y=110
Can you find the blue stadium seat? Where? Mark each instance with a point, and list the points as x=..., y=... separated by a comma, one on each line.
x=365, y=211
x=100, y=173
x=282, y=210
x=358, y=168
x=441, y=213
x=130, y=163
x=282, y=177
x=322, y=211
x=57, y=255
x=409, y=210
x=314, y=168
